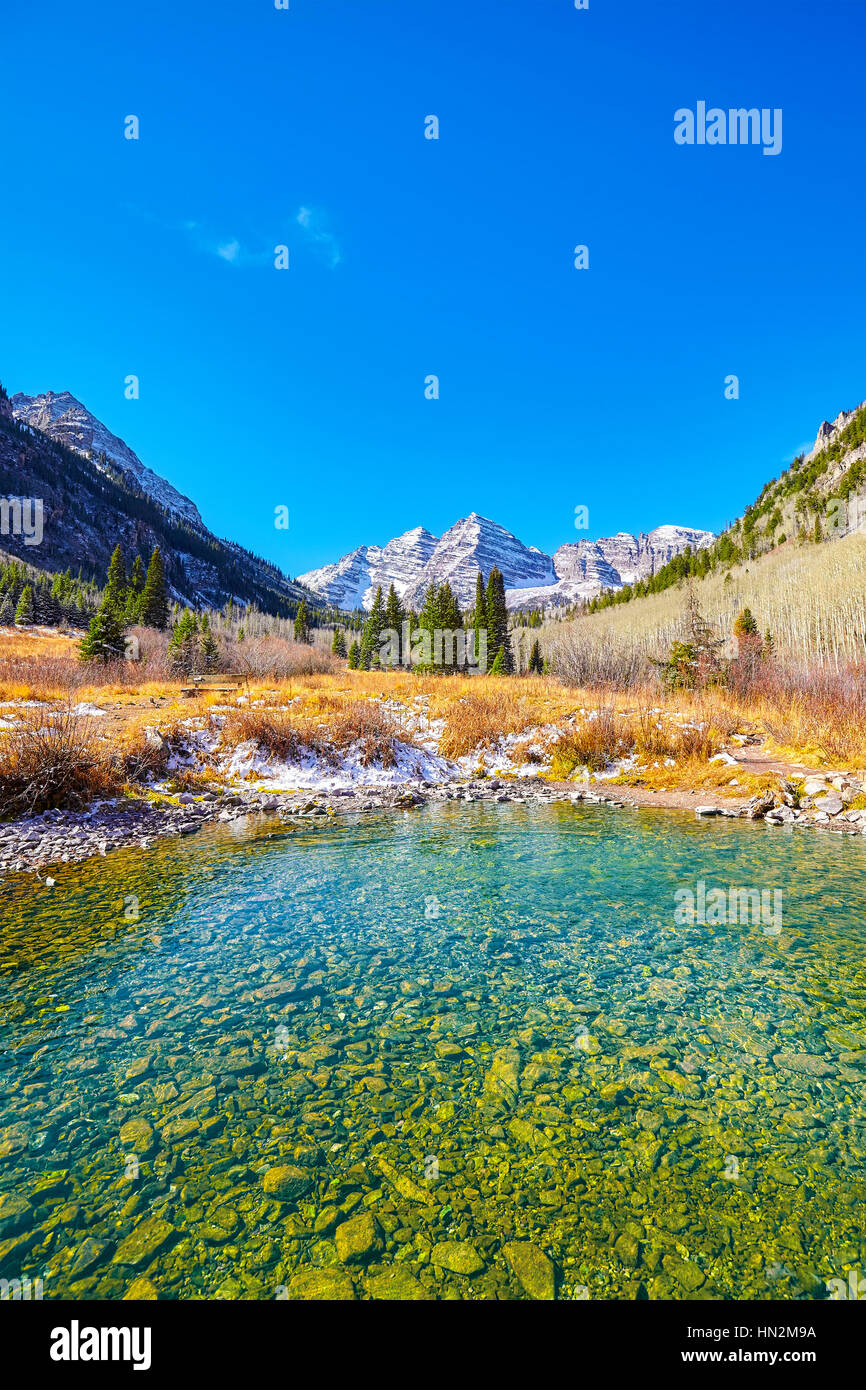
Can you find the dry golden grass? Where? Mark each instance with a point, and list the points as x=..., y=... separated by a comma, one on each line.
x=606, y=735
x=56, y=759
x=811, y=597
x=478, y=714
x=24, y=642
x=812, y=721
x=324, y=726
x=719, y=778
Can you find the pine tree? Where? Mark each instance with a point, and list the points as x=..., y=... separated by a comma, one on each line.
x=745, y=625
x=338, y=646
x=480, y=624
x=208, y=648
x=498, y=667
x=103, y=640
x=183, y=649
x=368, y=655
x=24, y=611
x=116, y=586
x=394, y=617
x=134, y=591
x=354, y=656
x=302, y=624
x=428, y=621
x=7, y=610
x=535, y=662
x=702, y=639
x=153, y=611
x=498, y=636
x=449, y=619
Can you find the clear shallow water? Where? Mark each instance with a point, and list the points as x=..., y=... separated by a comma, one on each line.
x=479, y=1024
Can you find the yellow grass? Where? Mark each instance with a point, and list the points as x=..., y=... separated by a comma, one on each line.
x=332, y=710
x=811, y=597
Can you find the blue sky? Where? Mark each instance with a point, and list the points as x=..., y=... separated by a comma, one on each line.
x=412, y=257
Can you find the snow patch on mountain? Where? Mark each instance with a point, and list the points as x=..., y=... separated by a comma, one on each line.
x=61, y=417
x=577, y=570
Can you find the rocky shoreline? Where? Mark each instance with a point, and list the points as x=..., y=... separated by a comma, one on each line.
x=70, y=837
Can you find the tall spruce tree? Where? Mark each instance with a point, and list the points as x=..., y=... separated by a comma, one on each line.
x=103, y=640
x=116, y=585
x=394, y=617
x=207, y=644
x=368, y=655
x=183, y=648
x=449, y=620
x=338, y=646
x=428, y=621
x=134, y=591
x=480, y=623
x=302, y=624
x=498, y=636
x=24, y=615
x=153, y=611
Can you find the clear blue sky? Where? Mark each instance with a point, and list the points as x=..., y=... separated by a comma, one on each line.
x=558, y=387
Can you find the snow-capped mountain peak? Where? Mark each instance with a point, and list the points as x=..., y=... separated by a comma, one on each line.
x=60, y=416
x=577, y=570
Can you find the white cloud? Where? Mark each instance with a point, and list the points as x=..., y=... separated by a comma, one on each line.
x=314, y=224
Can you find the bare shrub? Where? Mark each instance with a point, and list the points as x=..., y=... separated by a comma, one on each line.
x=281, y=734
x=54, y=760
x=276, y=657
x=330, y=728
x=365, y=725
x=601, y=665
x=594, y=743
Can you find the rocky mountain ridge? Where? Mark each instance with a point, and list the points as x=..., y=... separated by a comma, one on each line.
x=59, y=416
x=96, y=494
x=575, y=571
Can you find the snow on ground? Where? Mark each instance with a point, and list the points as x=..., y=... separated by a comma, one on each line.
x=412, y=765
x=527, y=755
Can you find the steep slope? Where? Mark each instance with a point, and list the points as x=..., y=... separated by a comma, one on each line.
x=820, y=498
x=61, y=417
x=90, y=508
x=474, y=544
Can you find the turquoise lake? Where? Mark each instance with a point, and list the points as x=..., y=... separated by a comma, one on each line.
x=466, y=1052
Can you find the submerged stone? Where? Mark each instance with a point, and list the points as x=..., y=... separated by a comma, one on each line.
x=358, y=1239
x=533, y=1269
x=286, y=1182
x=457, y=1256
x=140, y=1246
x=322, y=1285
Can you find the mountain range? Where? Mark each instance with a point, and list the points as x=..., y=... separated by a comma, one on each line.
x=577, y=570
x=96, y=493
